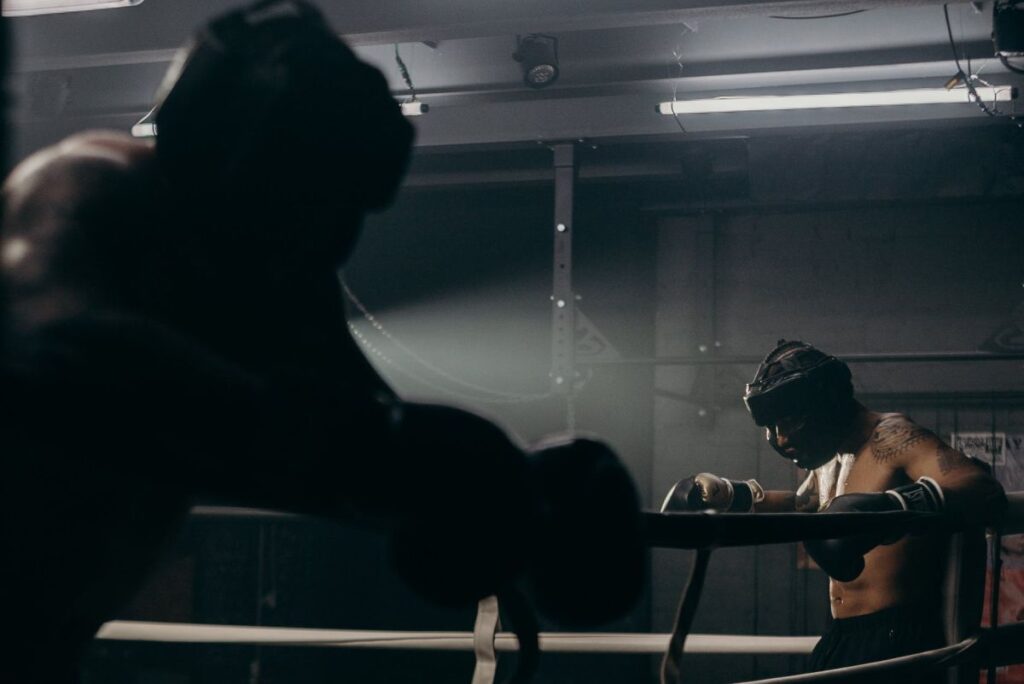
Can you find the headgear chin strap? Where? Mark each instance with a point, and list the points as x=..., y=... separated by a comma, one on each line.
x=798, y=382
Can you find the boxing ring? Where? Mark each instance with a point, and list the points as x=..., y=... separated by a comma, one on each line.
x=700, y=532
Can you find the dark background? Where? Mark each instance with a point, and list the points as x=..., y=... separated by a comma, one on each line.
x=872, y=234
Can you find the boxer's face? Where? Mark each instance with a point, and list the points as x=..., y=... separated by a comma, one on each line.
x=808, y=441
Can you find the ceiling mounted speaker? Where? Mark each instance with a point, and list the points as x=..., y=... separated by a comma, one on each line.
x=538, y=56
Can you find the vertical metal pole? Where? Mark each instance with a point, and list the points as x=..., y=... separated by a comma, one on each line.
x=563, y=319
x=997, y=556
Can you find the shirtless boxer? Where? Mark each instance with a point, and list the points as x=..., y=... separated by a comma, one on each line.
x=884, y=591
x=177, y=331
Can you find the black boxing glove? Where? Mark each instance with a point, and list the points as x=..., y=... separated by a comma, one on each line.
x=843, y=559
x=477, y=514
x=467, y=510
x=590, y=563
x=707, y=492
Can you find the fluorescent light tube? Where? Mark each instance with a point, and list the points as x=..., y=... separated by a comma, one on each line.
x=146, y=126
x=836, y=100
x=144, y=130
x=415, y=108
x=26, y=8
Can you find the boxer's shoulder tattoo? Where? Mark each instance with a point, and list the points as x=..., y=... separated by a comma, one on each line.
x=894, y=436
x=950, y=459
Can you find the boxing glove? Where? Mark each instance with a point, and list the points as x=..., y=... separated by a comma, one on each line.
x=590, y=562
x=843, y=559
x=468, y=512
x=707, y=492
x=481, y=514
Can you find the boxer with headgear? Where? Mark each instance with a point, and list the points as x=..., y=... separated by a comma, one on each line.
x=178, y=318
x=884, y=589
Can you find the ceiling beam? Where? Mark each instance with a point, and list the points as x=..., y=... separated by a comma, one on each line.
x=150, y=30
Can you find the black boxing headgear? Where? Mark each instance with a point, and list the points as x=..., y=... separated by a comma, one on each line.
x=795, y=379
x=800, y=383
x=269, y=108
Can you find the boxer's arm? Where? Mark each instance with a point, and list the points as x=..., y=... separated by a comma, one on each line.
x=135, y=371
x=776, y=501
x=803, y=500
x=328, y=447
x=971, y=495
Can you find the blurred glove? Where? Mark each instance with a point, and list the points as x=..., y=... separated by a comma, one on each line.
x=481, y=514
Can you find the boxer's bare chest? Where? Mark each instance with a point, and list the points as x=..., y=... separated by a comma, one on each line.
x=892, y=573
x=868, y=474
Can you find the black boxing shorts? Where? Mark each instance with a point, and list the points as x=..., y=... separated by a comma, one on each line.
x=889, y=633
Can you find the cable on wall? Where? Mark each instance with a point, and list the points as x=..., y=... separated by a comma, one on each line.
x=677, y=72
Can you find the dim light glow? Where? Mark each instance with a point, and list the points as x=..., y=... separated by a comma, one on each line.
x=836, y=100
x=26, y=8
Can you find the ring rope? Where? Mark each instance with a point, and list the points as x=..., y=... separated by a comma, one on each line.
x=694, y=530
x=551, y=642
x=699, y=530
x=946, y=656
x=710, y=530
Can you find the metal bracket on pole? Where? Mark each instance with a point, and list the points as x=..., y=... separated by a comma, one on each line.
x=563, y=302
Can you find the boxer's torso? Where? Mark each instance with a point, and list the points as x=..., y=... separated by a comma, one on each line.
x=906, y=572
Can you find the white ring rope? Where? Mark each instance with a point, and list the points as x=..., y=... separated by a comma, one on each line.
x=552, y=642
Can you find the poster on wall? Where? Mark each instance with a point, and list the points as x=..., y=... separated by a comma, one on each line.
x=1005, y=452
x=989, y=447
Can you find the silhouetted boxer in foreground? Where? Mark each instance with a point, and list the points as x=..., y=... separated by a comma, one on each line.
x=177, y=331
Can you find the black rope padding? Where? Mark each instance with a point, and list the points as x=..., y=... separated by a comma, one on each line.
x=699, y=530
x=1002, y=645
x=709, y=530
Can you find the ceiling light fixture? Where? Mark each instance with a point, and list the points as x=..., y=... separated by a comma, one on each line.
x=146, y=127
x=836, y=100
x=537, y=54
x=414, y=108
x=27, y=8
